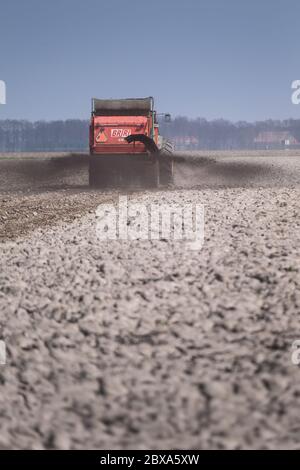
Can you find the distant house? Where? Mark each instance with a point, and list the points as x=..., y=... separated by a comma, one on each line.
x=185, y=142
x=275, y=139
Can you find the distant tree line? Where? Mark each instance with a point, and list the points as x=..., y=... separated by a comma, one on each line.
x=25, y=136
x=220, y=134
x=72, y=134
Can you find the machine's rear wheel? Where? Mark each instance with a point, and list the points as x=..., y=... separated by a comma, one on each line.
x=166, y=164
x=166, y=176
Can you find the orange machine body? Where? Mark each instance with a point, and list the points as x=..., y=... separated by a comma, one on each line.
x=108, y=132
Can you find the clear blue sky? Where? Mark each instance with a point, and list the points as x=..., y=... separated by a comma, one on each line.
x=234, y=59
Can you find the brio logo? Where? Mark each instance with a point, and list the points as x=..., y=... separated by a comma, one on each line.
x=120, y=132
x=2, y=92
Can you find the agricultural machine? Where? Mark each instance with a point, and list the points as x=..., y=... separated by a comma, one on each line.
x=125, y=145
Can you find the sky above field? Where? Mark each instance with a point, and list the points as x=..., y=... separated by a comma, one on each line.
x=233, y=59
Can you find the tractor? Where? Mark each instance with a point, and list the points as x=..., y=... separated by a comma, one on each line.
x=125, y=145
